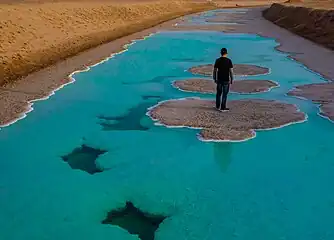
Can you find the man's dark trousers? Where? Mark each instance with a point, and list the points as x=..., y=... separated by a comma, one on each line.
x=221, y=97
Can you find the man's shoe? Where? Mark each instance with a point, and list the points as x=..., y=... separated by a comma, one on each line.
x=225, y=109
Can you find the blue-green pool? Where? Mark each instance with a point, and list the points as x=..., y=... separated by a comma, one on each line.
x=276, y=186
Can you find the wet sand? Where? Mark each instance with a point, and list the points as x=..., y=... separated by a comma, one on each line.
x=200, y=85
x=225, y=18
x=238, y=69
x=206, y=27
x=321, y=93
x=239, y=124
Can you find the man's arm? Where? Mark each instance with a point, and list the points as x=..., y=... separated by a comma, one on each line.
x=215, y=72
x=231, y=75
x=231, y=72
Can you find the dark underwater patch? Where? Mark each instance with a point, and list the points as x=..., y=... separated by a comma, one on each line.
x=135, y=221
x=84, y=158
x=129, y=121
x=152, y=80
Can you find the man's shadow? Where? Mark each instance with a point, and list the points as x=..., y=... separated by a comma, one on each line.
x=223, y=155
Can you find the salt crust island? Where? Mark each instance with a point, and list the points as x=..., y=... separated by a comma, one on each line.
x=239, y=124
x=238, y=69
x=321, y=93
x=201, y=85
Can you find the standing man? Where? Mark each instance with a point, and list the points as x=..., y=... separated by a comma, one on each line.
x=223, y=76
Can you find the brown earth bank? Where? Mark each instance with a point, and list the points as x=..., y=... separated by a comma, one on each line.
x=239, y=86
x=239, y=124
x=322, y=93
x=314, y=22
x=238, y=69
x=34, y=36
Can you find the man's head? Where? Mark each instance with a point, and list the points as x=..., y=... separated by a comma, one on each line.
x=223, y=52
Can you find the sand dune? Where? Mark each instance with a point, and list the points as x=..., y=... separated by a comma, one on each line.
x=36, y=35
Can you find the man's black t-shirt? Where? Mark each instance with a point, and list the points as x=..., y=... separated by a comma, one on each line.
x=223, y=64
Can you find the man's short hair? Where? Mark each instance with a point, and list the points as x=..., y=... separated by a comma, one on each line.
x=223, y=51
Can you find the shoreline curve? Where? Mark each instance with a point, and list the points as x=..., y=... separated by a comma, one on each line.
x=318, y=93
x=29, y=108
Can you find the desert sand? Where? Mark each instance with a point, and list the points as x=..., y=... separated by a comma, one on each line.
x=201, y=85
x=37, y=35
x=316, y=4
x=238, y=124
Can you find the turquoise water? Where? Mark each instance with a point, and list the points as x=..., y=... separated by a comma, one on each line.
x=202, y=18
x=276, y=186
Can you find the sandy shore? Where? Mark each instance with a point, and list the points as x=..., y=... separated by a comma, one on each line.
x=239, y=124
x=37, y=35
x=201, y=85
x=206, y=27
